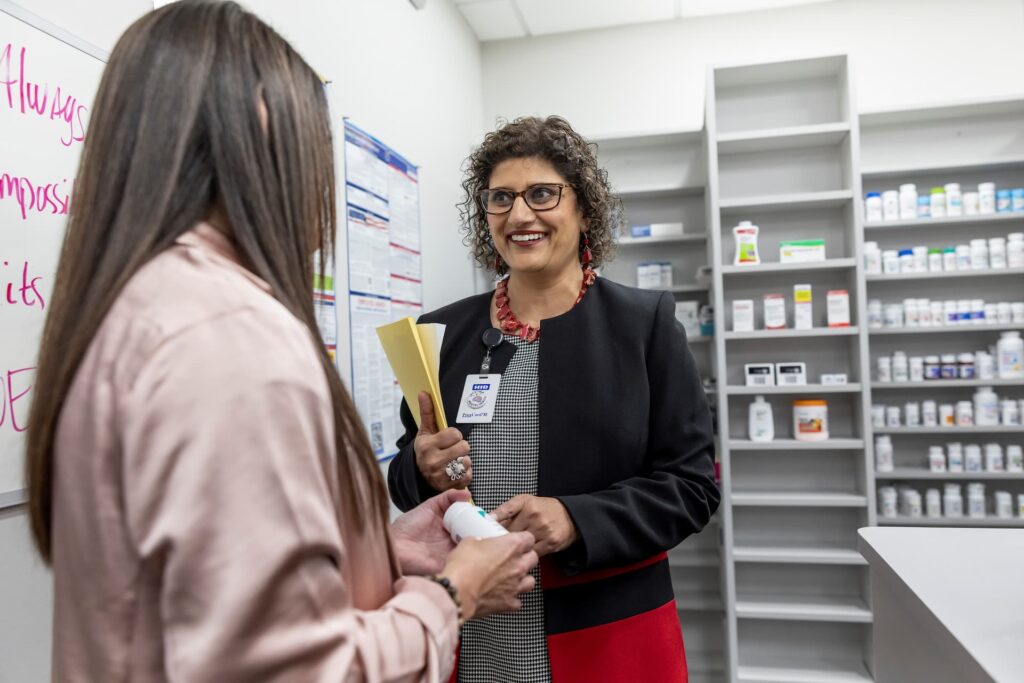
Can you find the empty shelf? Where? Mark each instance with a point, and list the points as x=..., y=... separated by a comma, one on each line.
x=698, y=602
x=797, y=555
x=791, y=333
x=946, y=274
x=655, y=191
x=948, y=384
x=702, y=558
x=920, y=474
x=796, y=608
x=793, y=445
x=952, y=431
x=819, y=672
x=944, y=329
x=785, y=201
x=852, y=388
x=952, y=521
x=782, y=138
x=794, y=499
x=678, y=239
x=978, y=219
x=764, y=268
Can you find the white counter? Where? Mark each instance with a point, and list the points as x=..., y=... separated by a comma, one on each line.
x=948, y=604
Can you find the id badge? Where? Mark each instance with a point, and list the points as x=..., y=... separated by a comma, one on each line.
x=478, y=399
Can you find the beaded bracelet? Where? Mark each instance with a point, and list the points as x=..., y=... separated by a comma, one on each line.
x=452, y=591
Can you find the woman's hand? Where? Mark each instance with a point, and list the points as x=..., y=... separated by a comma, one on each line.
x=545, y=518
x=421, y=541
x=491, y=573
x=434, y=450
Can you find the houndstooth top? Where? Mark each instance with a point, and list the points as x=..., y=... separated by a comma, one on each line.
x=508, y=647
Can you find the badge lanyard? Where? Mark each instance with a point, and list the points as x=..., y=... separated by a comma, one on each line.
x=492, y=339
x=481, y=391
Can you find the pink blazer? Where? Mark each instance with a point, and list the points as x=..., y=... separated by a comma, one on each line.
x=197, y=526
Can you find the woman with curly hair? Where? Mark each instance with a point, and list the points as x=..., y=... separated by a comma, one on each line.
x=599, y=441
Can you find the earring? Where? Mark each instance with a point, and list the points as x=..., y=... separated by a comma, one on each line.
x=497, y=264
x=587, y=255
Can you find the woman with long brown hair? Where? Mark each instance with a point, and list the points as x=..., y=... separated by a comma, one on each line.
x=198, y=476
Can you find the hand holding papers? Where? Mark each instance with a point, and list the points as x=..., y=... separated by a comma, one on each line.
x=414, y=352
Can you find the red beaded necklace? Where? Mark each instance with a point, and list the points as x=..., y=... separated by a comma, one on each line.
x=512, y=325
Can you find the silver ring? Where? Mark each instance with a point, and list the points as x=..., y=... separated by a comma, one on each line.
x=455, y=469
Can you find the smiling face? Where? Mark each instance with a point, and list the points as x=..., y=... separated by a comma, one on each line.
x=529, y=241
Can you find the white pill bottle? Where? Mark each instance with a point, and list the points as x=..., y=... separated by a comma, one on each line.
x=465, y=520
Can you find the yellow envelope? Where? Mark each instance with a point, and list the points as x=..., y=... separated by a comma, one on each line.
x=414, y=352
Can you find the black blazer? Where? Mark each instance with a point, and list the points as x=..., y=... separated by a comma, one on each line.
x=625, y=432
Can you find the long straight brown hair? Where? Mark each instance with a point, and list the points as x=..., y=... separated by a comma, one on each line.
x=176, y=128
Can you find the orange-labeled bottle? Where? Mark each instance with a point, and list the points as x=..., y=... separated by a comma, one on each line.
x=810, y=420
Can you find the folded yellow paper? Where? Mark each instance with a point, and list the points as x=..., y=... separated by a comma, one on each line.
x=414, y=352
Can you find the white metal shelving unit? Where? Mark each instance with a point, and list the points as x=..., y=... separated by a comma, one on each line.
x=783, y=147
x=968, y=144
x=663, y=179
x=775, y=589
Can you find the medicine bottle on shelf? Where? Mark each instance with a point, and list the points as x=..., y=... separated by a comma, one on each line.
x=761, y=423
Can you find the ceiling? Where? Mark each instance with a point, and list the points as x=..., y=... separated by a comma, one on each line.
x=502, y=19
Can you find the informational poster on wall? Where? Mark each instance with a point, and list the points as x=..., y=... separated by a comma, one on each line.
x=384, y=273
x=325, y=307
x=47, y=82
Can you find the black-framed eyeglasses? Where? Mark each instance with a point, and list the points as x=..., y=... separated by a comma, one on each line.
x=539, y=197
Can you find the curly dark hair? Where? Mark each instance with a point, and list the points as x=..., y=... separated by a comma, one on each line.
x=575, y=159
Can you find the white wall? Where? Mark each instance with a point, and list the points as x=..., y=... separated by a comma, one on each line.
x=100, y=23
x=412, y=78
x=650, y=77
x=26, y=604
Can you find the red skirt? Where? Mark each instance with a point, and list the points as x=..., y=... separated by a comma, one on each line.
x=612, y=626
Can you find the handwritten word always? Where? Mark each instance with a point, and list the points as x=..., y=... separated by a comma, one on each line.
x=19, y=287
x=52, y=198
x=23, y=96
x=14, y=386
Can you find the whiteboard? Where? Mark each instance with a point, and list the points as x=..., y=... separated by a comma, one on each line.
x=48, y=79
